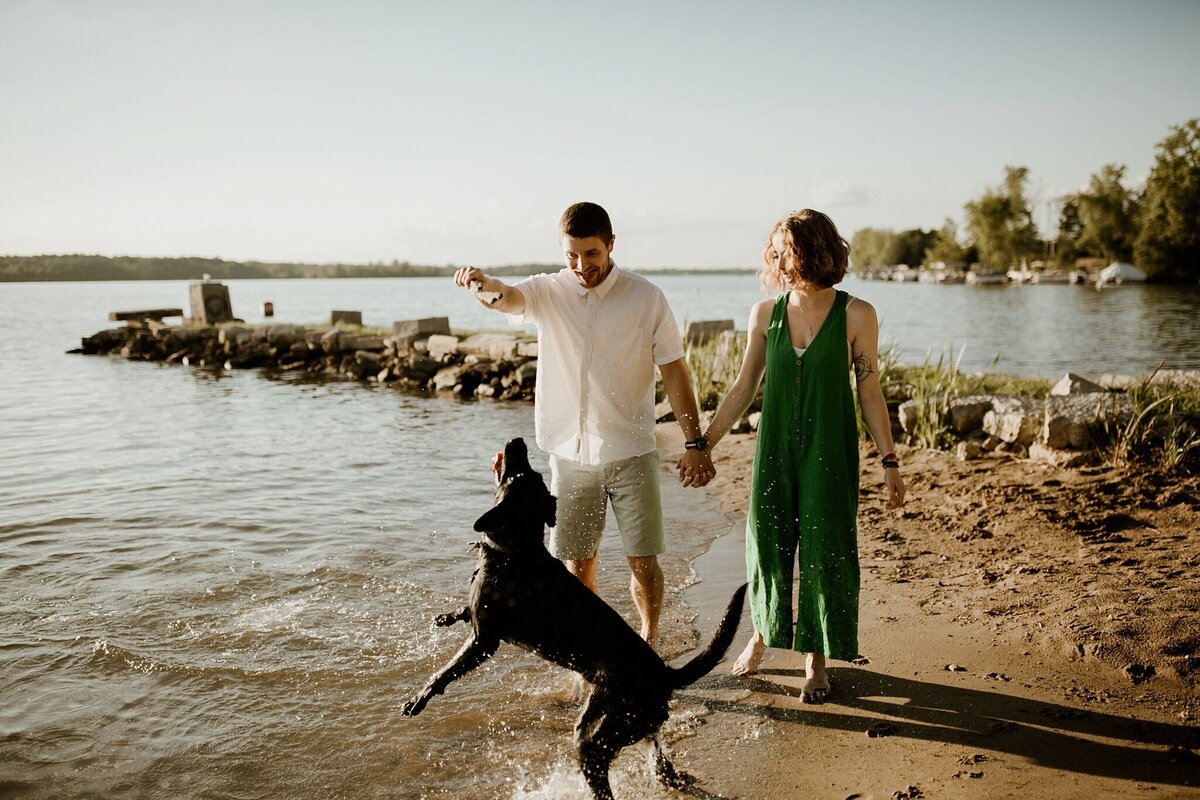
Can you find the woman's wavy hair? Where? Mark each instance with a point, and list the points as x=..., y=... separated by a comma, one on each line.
x=814, y=252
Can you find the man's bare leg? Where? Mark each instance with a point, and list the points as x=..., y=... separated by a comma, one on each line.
x=585, y=570
x=646, y=586
x=750, y=659
x=816, y=686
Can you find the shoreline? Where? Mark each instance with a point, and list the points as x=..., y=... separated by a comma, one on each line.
x=1043, y=705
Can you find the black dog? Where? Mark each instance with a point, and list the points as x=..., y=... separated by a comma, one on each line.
x=523, y=595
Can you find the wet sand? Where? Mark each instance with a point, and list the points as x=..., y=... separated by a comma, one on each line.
x=1053, y=594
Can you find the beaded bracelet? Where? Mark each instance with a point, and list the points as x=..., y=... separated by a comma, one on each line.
x=890, y=461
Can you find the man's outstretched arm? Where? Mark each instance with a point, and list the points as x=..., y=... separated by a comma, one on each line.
x=490, y=292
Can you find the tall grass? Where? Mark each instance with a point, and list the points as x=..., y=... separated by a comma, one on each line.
x=1163, y=431
x=714, y=365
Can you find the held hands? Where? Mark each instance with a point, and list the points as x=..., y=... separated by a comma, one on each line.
x=695, y=468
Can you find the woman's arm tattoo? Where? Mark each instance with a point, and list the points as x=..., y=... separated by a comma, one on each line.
x=862, y=367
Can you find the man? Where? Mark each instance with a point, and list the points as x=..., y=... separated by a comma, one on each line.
x=601, y=332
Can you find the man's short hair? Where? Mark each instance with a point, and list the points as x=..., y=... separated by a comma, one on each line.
x=583, y=220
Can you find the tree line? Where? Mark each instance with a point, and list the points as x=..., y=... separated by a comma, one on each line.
x=80, y=267
x=1157, y=228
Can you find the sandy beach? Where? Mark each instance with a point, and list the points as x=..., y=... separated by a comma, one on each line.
x=1025, y=631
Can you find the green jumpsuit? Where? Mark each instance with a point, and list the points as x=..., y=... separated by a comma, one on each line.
x=804, y=493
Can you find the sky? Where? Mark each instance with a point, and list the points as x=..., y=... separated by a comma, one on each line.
x=448, y=132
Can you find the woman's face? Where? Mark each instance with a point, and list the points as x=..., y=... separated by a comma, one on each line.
x=778, y=248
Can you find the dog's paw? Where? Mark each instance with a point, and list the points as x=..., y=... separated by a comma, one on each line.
x=414, y=706
x=446, y=620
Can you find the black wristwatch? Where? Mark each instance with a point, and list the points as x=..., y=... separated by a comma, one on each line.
x=699, y=443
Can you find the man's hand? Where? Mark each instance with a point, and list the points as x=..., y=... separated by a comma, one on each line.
x=490, y=292
x=695, y=468
x=477, y=281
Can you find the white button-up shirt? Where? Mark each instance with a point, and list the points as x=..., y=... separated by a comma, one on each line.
x=597, y=350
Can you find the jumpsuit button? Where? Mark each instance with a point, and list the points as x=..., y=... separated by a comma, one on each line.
x=797, y=379
x=797, y=362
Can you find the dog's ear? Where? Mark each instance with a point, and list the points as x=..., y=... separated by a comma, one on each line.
x=489, y=521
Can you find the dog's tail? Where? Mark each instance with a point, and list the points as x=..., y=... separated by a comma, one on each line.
x=703, y=663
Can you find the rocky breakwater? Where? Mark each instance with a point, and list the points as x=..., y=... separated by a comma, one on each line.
x=418, y=354
x=1069, y=428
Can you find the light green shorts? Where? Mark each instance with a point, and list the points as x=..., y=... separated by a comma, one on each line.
x=631, y=485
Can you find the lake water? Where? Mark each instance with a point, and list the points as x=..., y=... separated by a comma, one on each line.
x=221, y=586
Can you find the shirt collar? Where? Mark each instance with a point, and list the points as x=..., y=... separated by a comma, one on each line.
x=605, y=286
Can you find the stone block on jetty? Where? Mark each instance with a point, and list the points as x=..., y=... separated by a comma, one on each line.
x=1083, y=421
x=350, y=342
x=527, y=349
x=329, y=340
x=210, y=303
x=284, y=335
x=421, y=328
x=232, y=334
x=439, y=345
x=345, y=317
x=705, y=331
x=1075, y=384
x=157, y=314
x=491, y=345
x=1016, y=420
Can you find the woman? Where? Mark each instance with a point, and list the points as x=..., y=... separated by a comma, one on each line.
x=804, y=492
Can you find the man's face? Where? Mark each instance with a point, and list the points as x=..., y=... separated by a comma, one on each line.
x=588, y=259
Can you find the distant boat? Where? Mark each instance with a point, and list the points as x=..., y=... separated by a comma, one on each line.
x=1119, y=272
x=1053, y=276
x=989, y=278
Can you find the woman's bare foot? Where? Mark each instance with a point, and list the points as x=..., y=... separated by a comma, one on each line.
x=747, y=663
x=816, y=687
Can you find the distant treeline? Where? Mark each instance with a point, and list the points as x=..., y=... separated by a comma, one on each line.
x=133, y=268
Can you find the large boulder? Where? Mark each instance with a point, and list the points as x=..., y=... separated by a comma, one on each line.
x=329, y=341
x=228, y=334
x=1083, y=421
x=727, y=361
x=409, y=334
x=701, y=332
x=1074, y=384
x=491, y=345
x=967, y=413
x=526, y=374
x=350, y=342
x=907, y=414
x=1015, y=420
x=421, y=328
x=439, y=345
x=419, y=367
